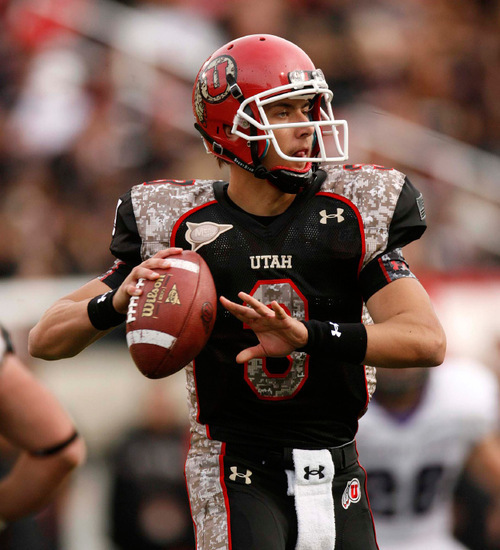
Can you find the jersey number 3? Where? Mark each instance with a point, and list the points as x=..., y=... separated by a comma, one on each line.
x=279, y=378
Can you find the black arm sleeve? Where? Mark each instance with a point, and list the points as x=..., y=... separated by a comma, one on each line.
x=382, y=270
x=126, y=242
x=408, y=222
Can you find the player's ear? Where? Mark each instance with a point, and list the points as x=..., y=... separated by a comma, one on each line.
x=229, y=134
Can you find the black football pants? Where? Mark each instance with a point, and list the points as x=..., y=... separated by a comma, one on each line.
x=263, y=517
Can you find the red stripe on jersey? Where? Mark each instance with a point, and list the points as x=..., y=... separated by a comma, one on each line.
x=367, y=402
x=224, y=493
x=197, y=399
x=384, y=270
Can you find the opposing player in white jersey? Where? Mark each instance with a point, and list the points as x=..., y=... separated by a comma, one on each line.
x=421, y=428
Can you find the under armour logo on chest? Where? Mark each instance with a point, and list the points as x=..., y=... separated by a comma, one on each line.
x=318, y=472
x=338, y=216
x=239, y=476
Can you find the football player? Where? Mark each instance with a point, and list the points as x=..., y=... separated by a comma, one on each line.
x=297, y=244
x=33, y=421
x=422, y=428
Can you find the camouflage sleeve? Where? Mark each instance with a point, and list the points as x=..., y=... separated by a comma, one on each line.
x=407, y=225
x=145, y=217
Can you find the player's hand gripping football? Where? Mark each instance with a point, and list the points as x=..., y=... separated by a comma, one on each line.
x=279, y=334
x=145, y=270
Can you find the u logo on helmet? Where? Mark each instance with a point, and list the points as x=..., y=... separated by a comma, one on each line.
x=212, y=82
x=212, y=86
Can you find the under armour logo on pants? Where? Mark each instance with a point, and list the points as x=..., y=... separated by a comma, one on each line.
x=239, y=476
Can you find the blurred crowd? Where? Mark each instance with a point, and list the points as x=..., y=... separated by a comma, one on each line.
x=95, y=96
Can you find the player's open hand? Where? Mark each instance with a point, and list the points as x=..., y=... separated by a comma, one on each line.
x=279, y=334
x=145, y=270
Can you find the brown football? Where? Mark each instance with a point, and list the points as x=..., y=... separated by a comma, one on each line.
x=171, y=321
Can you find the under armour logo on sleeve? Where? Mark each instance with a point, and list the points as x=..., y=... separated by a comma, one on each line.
x=335, y=330
x=103, y=297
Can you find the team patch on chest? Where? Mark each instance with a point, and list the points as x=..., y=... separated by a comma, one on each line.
x=200, y=234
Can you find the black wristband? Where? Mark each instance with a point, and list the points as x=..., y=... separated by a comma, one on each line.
x=56, y=448
x=101, y=312
x=341, y=341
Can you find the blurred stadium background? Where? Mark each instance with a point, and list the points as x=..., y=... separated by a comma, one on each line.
x=95, y=96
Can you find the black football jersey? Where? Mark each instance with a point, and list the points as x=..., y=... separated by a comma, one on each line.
x=336, y=245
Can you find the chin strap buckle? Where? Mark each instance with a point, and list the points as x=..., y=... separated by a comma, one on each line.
x=217, y=148
x=261, y=172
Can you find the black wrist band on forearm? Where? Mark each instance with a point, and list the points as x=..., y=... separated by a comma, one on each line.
x=342, y=341
x=56, y=448
x=101, y=312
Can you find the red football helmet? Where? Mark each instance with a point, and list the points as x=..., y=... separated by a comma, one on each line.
x=234, y=85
